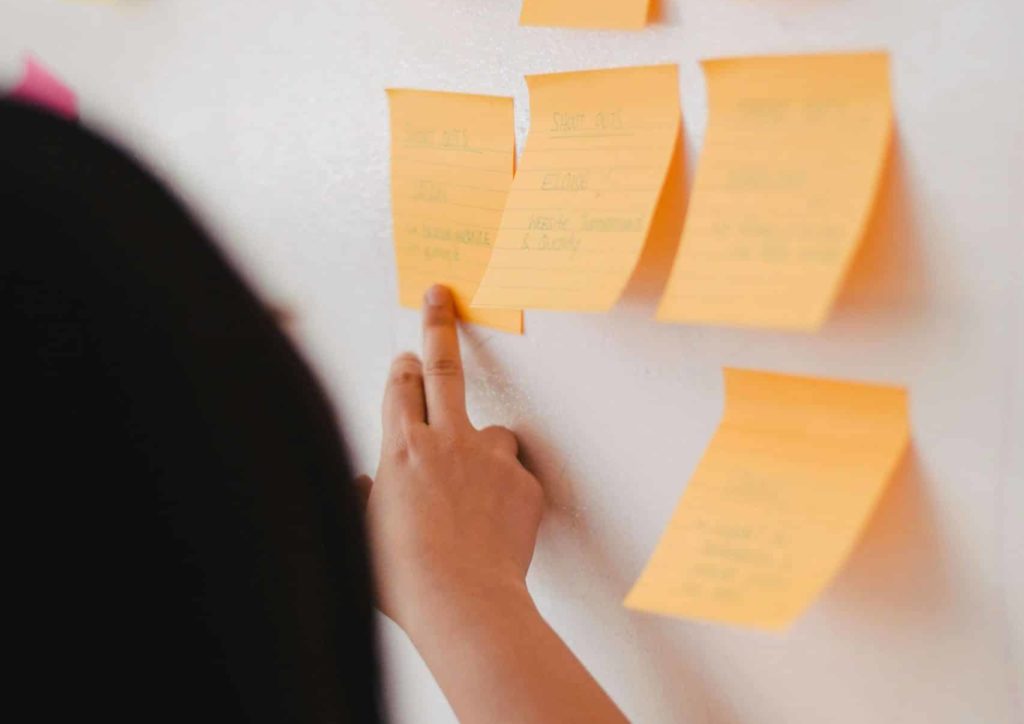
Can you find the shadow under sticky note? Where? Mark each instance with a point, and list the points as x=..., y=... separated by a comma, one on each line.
x=778, y=501
x=452, y=159
x=39, y=87
x=583, y=198
x=595, y=14
x=785, y=185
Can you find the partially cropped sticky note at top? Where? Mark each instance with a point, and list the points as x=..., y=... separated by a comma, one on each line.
x=778, y=501
x=452, y=159
x=599, y=146
x=792, y=160
x=39, y=87
x=603, y=14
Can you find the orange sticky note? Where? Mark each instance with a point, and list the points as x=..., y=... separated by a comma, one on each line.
x=778, y=501
x=786, y=182
x=601, y=14
x=588, y=182
x=452, y=159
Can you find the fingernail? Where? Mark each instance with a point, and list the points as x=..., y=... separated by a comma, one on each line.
x=437, y=295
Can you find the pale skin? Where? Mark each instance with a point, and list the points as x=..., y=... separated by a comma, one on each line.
x=453, y=518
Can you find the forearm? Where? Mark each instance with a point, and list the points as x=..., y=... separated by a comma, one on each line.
x=454, y=518
x=497, y=660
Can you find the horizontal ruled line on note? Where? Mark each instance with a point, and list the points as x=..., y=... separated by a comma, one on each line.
x=557, y=209
x=437, y=274
x=413, y=178
x=556, y=136
x=609, y=250
x=607, y=147
x=457, y=149
x=612, y=167
x=448, y=222
x=571, y=229
x=564, y=290
x=475, y=169
x=427, y=202
x=595, y=190
x=561, y=270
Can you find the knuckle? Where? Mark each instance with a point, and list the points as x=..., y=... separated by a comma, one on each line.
x=399, y=449
x=417, y=439
x=409, y=443
x=406, y=369
x=449, y=442
x=404, y=377
x=502, y=438
x=443, y=367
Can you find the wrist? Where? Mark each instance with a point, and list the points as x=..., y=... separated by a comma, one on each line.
x=463, y=608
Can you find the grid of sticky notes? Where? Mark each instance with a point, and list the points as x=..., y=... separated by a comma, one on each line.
x=588, y=183
x=597, y=14
x=778, y=500
x=452, y=158
x=792, y=159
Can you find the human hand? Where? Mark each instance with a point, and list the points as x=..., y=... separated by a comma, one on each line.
x=452, y=514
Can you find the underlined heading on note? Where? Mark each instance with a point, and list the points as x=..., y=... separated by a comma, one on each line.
x=452, y=157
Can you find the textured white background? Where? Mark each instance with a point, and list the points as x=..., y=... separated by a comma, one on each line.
x=270, y=118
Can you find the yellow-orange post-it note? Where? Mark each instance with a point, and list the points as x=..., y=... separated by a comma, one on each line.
x=588, y=182
x=778, y=501
x=598, y=14
x=792, y=160
x=452, y=159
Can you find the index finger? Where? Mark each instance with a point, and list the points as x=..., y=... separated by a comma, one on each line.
x=443, y=382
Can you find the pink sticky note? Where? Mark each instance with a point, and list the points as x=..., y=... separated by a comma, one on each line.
x=39, y=87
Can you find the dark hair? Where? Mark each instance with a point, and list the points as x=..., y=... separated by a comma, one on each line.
x=186, y=541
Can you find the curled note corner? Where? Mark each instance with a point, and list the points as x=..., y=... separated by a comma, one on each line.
x=39, y=87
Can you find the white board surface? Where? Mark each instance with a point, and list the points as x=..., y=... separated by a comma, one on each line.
x=271, y=120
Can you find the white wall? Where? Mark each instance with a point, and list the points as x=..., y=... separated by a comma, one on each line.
x=270, y=118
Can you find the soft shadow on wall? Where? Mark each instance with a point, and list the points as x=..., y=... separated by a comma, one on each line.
x=574, y=562
x=888, y=280
x=897, y=576
x=578, y=563
x=652, y=269
x=655, y=12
